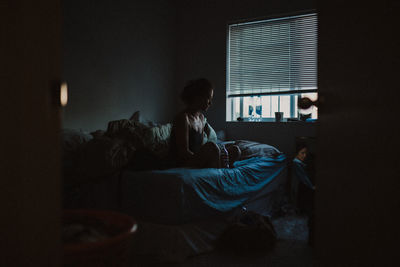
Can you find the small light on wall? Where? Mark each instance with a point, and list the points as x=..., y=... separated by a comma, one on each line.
x=63, y=94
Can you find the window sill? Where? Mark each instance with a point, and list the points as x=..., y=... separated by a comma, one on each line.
x=272, y=120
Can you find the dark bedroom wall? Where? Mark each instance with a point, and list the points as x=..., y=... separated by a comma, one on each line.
x=119, y=57
x=202, y=53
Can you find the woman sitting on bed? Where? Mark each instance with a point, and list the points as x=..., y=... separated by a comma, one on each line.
x=189, y=128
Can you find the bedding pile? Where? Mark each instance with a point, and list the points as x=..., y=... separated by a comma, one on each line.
x=126, y=143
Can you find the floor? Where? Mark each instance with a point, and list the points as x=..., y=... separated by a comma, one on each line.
x=292, y=249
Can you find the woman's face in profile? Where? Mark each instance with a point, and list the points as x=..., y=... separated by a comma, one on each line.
x=206, y=101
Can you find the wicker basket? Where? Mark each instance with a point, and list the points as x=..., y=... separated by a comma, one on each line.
x=96, y=238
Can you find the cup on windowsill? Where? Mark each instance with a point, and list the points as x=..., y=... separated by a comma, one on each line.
x=278, y=116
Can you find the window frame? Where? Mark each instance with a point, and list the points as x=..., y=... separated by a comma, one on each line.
x=293, y=93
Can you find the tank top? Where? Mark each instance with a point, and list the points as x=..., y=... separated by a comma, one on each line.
x=195, y=141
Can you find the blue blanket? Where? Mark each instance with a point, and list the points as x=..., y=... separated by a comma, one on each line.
x=182, y=194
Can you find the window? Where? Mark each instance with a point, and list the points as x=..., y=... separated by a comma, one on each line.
x=270, y=63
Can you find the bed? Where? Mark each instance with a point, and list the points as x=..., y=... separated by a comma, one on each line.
x=181, y=211
x=182, y=195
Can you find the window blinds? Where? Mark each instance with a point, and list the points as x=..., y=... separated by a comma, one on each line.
x=277, y=56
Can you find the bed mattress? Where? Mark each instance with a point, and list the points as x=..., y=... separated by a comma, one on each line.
x=182, y=195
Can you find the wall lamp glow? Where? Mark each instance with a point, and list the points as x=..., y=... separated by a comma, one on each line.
x=63, y=94
x=59, y=93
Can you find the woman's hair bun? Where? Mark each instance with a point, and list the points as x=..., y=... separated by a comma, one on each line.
x=195, y=88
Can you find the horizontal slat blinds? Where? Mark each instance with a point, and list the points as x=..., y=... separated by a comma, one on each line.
x=273, y=56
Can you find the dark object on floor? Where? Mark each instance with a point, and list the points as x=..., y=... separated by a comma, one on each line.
x=250, y=232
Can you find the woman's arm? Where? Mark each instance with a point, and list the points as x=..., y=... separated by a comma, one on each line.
x=181, y=125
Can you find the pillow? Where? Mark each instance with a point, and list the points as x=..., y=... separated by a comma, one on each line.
x=150, y=137
x=72, y=139
x=129, y=131
x=251, y=149
x=138, y=118
x=156, y=139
